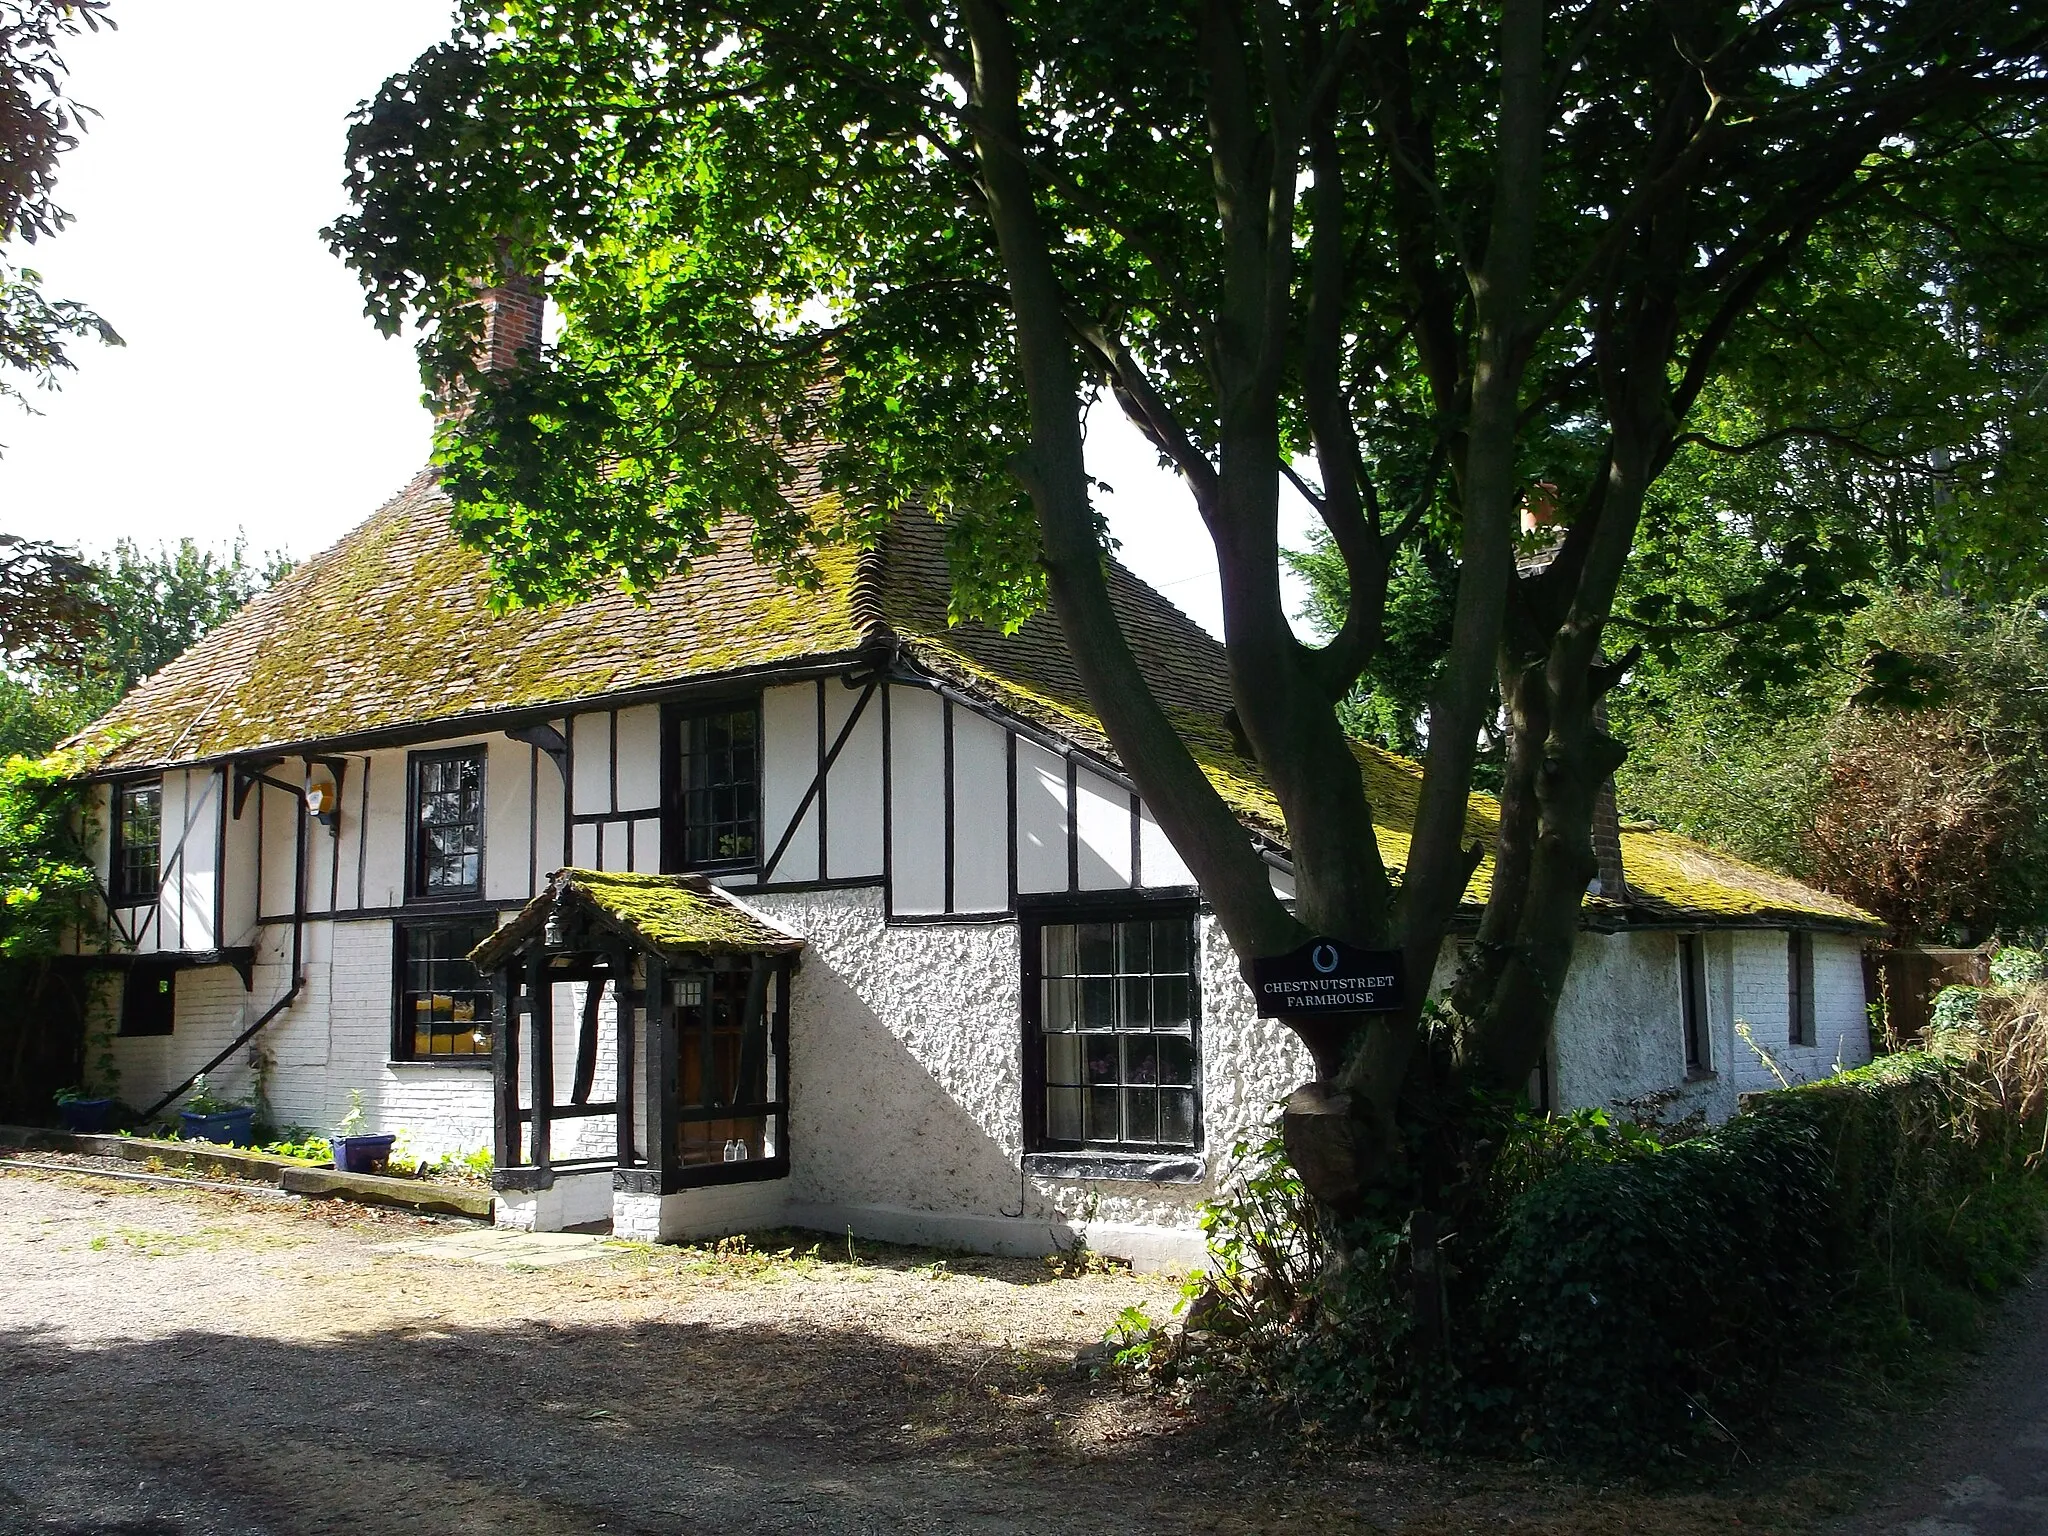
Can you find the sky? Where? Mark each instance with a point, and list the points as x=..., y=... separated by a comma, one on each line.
x=252, y=397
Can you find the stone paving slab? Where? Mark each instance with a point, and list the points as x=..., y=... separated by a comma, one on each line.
x=504, y=1247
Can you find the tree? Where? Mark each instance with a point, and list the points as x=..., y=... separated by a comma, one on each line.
x=123, y=618
x=38, y=122
x=1442, y=253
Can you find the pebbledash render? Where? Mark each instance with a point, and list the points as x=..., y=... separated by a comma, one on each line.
x=925, y=968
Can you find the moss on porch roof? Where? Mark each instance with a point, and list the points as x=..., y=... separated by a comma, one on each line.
x=392, y=628
x=673, y=916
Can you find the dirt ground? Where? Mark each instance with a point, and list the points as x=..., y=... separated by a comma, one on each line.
x=176, y=1362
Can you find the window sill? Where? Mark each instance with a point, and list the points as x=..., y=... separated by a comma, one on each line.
x=443, y=1063
x=1128, y=1167
x=1700, y=1074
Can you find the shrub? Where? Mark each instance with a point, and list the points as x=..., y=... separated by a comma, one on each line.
x=1609, y=1296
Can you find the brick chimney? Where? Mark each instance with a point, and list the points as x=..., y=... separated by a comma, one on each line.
x=1607, y=827
x=513, y=312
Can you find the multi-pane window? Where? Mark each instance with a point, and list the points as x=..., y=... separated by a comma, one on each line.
x=447, y=824
x=1799, y=988
x=1692, y=1002
x=1112, y=1047
x=445, y=1005
x=717, y=805
x=137, y=842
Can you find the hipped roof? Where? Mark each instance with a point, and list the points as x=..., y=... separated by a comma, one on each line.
x=672, y=916
x=392, y=629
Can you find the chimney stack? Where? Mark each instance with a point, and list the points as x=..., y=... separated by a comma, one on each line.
x=513, y=312
x=1607, y=826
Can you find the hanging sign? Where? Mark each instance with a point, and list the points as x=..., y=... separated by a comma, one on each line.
x=1327, y=976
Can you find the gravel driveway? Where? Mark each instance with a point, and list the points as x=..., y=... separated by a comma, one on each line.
x=179, y=1362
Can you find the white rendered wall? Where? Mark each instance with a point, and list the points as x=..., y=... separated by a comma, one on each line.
x=1762, y=1000
x=1619, y=1032
x=907, y=1088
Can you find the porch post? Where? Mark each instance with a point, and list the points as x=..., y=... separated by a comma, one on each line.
x=505, y=1071
x=661, y=1073
x=625, y=998
x=540, y=1014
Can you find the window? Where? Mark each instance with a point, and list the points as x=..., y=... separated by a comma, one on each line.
x=447, y=824
x=149, y=995
x=714, y=781
x=729, y=1064
x=1110, y=1059
x=446, y=1007
x=1692, y=1003
x=1799, y=988
x=137, y=839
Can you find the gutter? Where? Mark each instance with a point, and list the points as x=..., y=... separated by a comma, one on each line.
x=297, y=792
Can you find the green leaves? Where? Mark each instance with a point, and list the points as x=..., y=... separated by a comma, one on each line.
x=46, y=878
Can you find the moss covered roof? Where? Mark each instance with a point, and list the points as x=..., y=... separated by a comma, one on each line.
x=392, y=628
x=673, y=916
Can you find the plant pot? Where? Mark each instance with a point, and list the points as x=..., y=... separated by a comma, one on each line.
x=232, y=1127
x=361, y=1154
x=86, y=1117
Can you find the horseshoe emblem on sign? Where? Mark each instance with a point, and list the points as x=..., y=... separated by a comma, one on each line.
x=1324, y=959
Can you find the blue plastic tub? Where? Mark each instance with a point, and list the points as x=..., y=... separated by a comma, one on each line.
x=85, y=1117
x=231, y=1127
x=361, y=1154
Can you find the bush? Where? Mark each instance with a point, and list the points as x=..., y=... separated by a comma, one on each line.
x=1606, y=1296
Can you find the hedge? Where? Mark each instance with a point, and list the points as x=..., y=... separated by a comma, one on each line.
x=1646, y=1302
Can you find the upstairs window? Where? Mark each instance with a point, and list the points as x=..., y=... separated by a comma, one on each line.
x=1799, y=988
x=1111, y=1061
x=447, y=855
x=137, y=842
x=714, y=781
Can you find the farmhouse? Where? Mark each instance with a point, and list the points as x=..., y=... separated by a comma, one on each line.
x=751, y=905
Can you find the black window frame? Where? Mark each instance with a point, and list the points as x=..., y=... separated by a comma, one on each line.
x=416, y=890
x=404, y=1029
x=1800, y=1025
x=675, y=790
x=149, y=999
x=121, y=891
x=1693, y=1013
x=1033, y=918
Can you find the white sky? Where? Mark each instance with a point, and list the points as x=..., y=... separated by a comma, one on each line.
x=252, y=394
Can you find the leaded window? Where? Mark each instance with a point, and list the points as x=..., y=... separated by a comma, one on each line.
x=717, y=797
x=1112, y=1052
x=447, y=824
x=446, y=1007
x=137, y=842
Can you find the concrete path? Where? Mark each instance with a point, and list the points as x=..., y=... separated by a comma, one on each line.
x=1982, y=1465
x=505, y=1247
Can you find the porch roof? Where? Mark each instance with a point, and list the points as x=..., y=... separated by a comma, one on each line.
x=671, y=916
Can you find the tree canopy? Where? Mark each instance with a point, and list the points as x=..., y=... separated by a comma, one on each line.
x=81, y=633
x=1422, y=259
x=38, y=123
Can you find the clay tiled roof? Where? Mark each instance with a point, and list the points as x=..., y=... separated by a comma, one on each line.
x=392, y=628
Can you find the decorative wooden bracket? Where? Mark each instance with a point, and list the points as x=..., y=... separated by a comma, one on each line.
x=549, y=740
